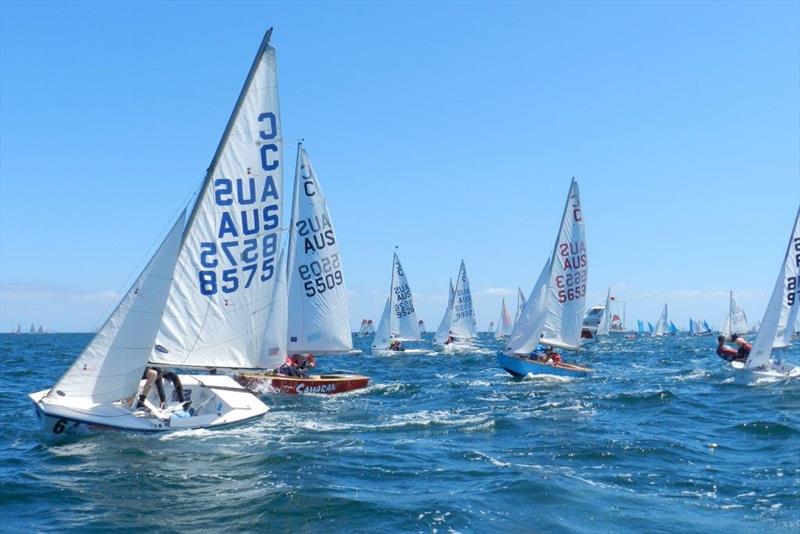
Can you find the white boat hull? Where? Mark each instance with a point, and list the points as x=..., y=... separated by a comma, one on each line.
x=775, y=371
x=217, y=401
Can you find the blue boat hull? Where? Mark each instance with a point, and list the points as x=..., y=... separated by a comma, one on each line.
x=522, y=367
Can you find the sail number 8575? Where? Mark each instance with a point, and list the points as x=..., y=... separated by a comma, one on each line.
x=321, y=276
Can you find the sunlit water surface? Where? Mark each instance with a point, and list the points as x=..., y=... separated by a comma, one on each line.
x=660, y=439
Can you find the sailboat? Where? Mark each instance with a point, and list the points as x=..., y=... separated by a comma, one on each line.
x=19, y=329
x=661, y=326
x=370, y=328
x=504, y=324
x=421, y=325
x=605, y=320
x=314, y=301
x=362, y=332
x=491, y=327
x=520, y=306
x=640, y=327
x=760, y=367
x=399, y=319
x=673, y=330
x=204, y=297
x=458, y=327
x=736, y=320
x=553, y=313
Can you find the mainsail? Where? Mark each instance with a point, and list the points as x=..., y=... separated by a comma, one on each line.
x=783, y=301
x=318, y=317
x=399, y=320
x=736, y=320
x=520, y=306
x=223, y=282
x=111, y=366
x=504, y=324
x=661, y=325
x=421, y=325
x=553, y=314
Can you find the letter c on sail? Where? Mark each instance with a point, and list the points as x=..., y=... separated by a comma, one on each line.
x=577, y=214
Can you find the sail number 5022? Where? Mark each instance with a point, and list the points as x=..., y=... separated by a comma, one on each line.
x=321, y=276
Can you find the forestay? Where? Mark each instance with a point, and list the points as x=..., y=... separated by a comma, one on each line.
x=318, y=317
x=399, y=319
x=783, y=301
x=223, y=284
x=111, y=366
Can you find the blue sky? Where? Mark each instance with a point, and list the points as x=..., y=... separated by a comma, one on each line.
x=449, y=129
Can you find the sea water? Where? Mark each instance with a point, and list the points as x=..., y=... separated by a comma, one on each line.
x=659, y=439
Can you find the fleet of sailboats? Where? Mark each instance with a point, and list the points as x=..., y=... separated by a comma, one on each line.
x=229, y=294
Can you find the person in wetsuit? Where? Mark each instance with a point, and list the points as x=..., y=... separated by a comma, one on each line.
x=730, y=354
x=155, y=375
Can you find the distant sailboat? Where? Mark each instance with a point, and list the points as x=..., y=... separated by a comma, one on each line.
x=760, y=367
x=605, y=320
x=736, y=320
x=362, y=332
x=650, y=328
x=553, y=313
x=19, y=329
x=504, y=324
x=520, y=306
x=661, y=325
x=458, y=323
x=673, y=330
x=491, y=327
x=33, y=329
x=640, y=327
x=40, y=330
x=370, y=327
x=399, y=319
x=421, y=325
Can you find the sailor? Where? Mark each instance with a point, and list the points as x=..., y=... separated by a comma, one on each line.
x=155, y=375
x=297, y=365
x=449, y=339
x=730, y=354
x=396, y=345
x=744, y=348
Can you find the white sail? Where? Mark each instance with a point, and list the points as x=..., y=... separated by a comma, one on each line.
x=528, y=329
x=421, y=325
x=504, y=324
x=736, y=320
x=399, y=319
x=111, y=366
x=363, y=330
x=370, y=328
x=318, y=317
x=605, y=321
x=224, y=277
x=443, y=332
x=661, y=325
x=273, y=349
x=462, y=324
x=784, y=297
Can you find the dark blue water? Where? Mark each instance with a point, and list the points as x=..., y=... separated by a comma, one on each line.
x=659, y=440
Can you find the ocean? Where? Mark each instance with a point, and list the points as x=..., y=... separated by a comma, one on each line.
x=659, y=439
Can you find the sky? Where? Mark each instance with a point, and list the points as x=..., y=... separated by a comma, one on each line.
x=448, y=129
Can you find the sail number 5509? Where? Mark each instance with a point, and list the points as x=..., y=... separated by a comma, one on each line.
x=321, y=276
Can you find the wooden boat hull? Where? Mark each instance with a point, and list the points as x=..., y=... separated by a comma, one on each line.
x=216, y=401
x=520, y=367
x=328, y=384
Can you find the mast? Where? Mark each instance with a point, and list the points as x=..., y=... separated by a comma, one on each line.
x=231, y=120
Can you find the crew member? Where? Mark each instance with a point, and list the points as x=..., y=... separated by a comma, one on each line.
x=729, y=354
